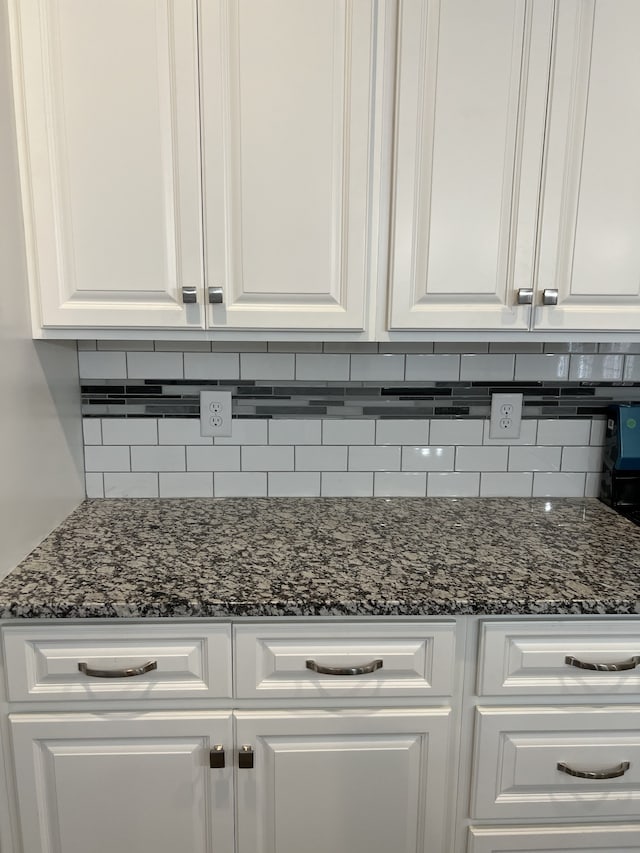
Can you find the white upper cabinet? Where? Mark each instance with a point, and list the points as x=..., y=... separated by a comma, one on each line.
x=590, y=226
x=107, y=94
x=288, y=96
x=469, y=126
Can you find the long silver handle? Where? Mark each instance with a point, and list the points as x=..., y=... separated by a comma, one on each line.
x=612, y=773
x=118, y=673
x=245, y=757
x=189, y=295
x=215, y=295
x=524, y=296
x=344, y=670
x=550, y=296
x=631, y=663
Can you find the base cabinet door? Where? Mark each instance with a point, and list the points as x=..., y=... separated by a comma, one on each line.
x=125, y=782
x=343, y=781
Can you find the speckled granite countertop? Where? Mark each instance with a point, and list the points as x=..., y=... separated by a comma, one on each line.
x=323, y=557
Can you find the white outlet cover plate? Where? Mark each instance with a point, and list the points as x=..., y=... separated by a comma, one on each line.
x=501, y=426
x=215, y=413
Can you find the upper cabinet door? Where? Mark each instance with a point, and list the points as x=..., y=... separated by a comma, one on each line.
x=288, y=92
x=470, y=107
x=590, y=234
x=107, y=98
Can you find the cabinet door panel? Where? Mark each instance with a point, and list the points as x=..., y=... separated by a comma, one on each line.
x=110, y=162
x=288, y=90
x=346, y=782
x=122, y=782
x=590, y=246
x=469, y=133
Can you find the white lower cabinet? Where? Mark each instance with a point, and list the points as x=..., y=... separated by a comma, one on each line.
x=557, y=839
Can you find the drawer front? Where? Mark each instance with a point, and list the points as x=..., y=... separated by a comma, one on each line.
x=621, y=838
x=271, y=661
x=529, y=657
x=517, y=752
x=184, y=662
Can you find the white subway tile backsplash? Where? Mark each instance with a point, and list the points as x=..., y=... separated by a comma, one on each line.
x=271, y=365
x=453, y=485
x=484, y=368
x=213, y=458
x=379, y=368
x=131, y=485
x=374, y=458
x=592, y=485
x=481, y=458
x=433, y=368
x=598, y=430
x=245, y=431
x=155, y=365
x=347, y=485
x=412, y=484
x=534, y=458
x=266, y=458
x=158, y=458
x=295, y=432
x=596, y=368
x=92, y=430
x=581, y=459
x=537, y=368
x=456, y=431
x=431, y=458
x=564, y=432
x=181, y=431
x=184, y=346
x=102, y=365
x=122, y=346
x=245, y=484
x=558, y=485
x=106, y=458
x=347, y=346
x=501, y=485
x=94, y=485
x=528, y=434
x=328, y=368
x=402, y=431
x=283, y=484
x=214, y=365
x=348, y=432
x=326, y=458
x=129, y=431
x=186, y=485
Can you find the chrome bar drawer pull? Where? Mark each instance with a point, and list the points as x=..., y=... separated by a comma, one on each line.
x=613, y=773
x=118, y=673
x=550, y=296
x=216, y=297
x=344, y=670
x=524, y=296
x=245, y=757
x=631, y=663
x=189, y=295
x=216, y=757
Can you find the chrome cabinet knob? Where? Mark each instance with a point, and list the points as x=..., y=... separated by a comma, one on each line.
x=524, y=296
x=189, y=295
x=550, y=296
x=215, y=295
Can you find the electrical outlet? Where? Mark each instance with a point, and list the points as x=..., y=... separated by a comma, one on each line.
x=215, y=413
x=506, y=415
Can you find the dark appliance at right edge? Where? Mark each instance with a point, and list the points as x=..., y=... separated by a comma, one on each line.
x=620, y=483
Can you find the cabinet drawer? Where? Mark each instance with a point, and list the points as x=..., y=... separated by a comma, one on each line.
x=518, y=750
x=535, y=839
x=42, y=663
x=529, y=657
x=275, y=660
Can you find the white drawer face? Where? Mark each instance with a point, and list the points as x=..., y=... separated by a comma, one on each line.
x=182, y=662
x=529, y=658
x=620, y=838
x=517, y=752
x=275, y=660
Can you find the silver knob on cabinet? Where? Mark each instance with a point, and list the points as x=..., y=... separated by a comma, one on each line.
x=525, y=296
x=550, y=296
x=189, y=295
x=214, y=295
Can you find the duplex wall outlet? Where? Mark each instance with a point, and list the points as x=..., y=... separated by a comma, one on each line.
x=506, y=415
x=215, y=413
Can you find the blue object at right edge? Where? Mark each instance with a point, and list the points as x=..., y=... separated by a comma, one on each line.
x=629, y=438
